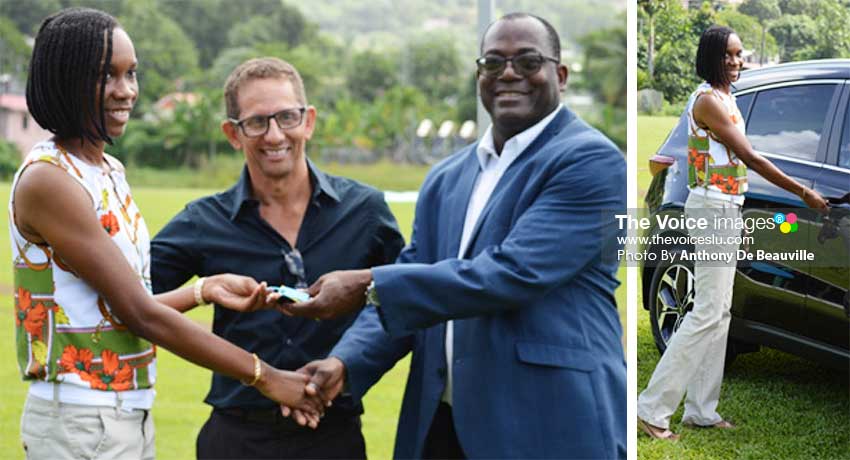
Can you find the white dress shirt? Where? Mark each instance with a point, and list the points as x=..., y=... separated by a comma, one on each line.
x=493, y=166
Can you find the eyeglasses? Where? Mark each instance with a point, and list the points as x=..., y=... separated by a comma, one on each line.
x=525, y=64
x=258, y=125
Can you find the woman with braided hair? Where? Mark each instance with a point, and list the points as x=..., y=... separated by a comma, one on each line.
x=87, y=325
x=718, y=157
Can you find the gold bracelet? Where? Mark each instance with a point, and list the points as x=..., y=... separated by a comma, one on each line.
x=199, y=291
x=258, y=371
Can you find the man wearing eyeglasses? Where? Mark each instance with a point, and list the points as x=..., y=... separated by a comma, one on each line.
x=284, y=222
x=503, y=294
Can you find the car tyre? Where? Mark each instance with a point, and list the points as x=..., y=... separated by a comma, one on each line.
x=671, y=297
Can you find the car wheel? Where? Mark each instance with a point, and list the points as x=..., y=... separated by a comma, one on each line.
x=671, y=297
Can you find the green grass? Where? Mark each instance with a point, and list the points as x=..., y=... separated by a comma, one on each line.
x=652, y=131
x=225, y=169
x=785, y=407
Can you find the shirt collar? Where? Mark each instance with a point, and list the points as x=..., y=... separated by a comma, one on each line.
x=243, y=192
x=519, y=142
x=325, y=187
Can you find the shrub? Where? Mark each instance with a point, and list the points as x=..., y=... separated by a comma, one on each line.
x=10, y=159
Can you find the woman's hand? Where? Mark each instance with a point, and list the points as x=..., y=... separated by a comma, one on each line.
x=288, y=389
x=236, y=292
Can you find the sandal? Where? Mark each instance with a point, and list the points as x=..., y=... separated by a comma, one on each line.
x=655, y=432
x=723, y=425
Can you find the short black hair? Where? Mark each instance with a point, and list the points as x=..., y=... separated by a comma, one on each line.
x=551, y=34
x=69, y=60
x=711, y=55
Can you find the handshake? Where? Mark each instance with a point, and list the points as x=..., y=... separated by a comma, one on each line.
x=305, y=393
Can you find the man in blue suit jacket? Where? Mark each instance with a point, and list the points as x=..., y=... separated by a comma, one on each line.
x=503, y=295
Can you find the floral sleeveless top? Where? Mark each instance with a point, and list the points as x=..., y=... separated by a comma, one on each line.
x=711, y=164
x=65, y=331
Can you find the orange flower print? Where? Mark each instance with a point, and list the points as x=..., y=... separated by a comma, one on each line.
x=696, y=159
x=727, y=184
x=109, y=223
x=32, y=317
x=114, y=376
x=77, y=361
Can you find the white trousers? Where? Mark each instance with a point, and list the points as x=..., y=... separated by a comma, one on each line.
x=52, y=430
x=692, y=365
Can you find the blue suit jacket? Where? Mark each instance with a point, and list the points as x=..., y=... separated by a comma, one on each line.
x=538, y=365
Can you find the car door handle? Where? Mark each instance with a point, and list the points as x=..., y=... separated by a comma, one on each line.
x=838, y=202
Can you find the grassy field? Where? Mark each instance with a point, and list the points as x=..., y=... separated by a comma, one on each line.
x=785, y=407
x=225, y=169
x=652, y=131
x=180, y=411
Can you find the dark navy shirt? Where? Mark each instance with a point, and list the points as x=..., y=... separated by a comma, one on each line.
x=347, y=225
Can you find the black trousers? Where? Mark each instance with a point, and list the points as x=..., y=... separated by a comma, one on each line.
x=229, y=435
x=442, y=442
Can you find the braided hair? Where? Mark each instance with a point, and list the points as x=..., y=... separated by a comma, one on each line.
x=70, y=59
x=711, y=54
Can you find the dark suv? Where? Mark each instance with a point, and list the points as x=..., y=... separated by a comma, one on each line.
x=798, y=116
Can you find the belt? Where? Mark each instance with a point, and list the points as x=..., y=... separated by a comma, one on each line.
x=273, y=417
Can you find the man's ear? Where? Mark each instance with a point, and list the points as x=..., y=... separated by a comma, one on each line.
x=309, y=122
x=230, y=131
x=563, y=76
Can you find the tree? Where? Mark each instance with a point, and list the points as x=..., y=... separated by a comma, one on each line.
x=765, y=11
x=651, y=8
x=371, y=74
x=833, y=26
x=802, y=7
x=14, y=51
x=673, y=61
x=793, y=33
x=187, y=135
x=673, y=25
x=166, y=55
x=702, y=18
x=257, y=29
x=675, y=76
x=604, y=56
x=27, y=16
x=208, y=22
x=434, y=66
x=748, y=29
x=286, y=25
x=10, y=159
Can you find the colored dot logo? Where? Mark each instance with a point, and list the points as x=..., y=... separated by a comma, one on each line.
x=787, y=222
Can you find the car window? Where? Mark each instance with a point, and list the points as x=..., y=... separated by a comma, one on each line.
x=789, y=120
x=744, y=104
x=844, y=148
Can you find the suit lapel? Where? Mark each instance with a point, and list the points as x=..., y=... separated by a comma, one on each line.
x=550, y=131
x=459, y=201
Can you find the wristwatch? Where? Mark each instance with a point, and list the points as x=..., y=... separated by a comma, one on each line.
x=372, y=295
